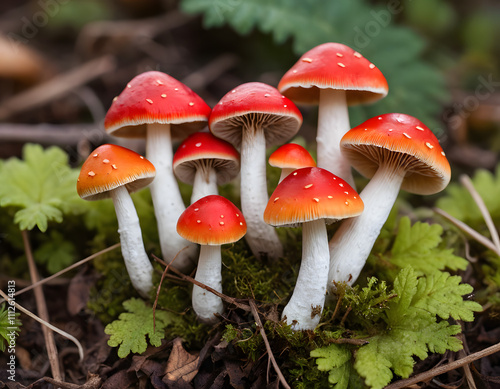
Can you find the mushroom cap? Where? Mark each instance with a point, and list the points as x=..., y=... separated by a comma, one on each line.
x=156, y=97
x=109, y=167
x=255, y=104
x=291, y=156
x=333, y=66
x=312, y=193
x=202, y=149
x=401, y=137
x=213, y=220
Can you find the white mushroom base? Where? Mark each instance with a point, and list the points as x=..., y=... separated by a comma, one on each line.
x=353, y=241
x=205, y=303
x=304, y=309
x=136, y=260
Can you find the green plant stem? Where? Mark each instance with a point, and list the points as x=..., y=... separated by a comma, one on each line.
x=43, y=312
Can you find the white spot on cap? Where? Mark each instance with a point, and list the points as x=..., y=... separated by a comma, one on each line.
x=141, y=157
x=341, y=64
x=237, y=215
x=419, y=128
x=115, y=98
x=340, y=55
x=341, y=185
x=159, y=82
x=379, y=118
x=371, y=66
x=163, y=95
x=399, y=120
x=198, y=144
x=346, y=192
x=316, y=199
x=276, y=199
x=267, y=95
x=191, y=104
x=196, y=209
x=233, y=91
x=198, y=221
x=307, y=60
x=442, y=153
x=241, y=223
x=176, y=89
x=221, y=223
x=222, y=216
x=354, y=197
x=330, y=197
x=91, y=174
x=114, y=166
x=334, y=178
x=366, y=129
x=308, y=186
x=429, y=145
x=390, y=130
x=294, y=173
x=294, y=71
x=149, y=101
x=357, y=55
x=284, y=106
x=405, y=134
x=105, y=161
x=95, y=155
x=129, y=86
x=347, y=203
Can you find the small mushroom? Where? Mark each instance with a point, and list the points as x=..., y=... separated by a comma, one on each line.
x=290, y=157
x=396, y=151
x=333, y=76
x=113, y=172
x=205, y=161
x=312, y=197
x=156, y=106
x=210, y=222
x=252, y=116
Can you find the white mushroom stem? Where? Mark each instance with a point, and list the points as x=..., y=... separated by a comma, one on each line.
x=205, y=303
x=205, y=182
x=303, y=311
x=286, y=172
x=138, y=265
x=167, y=200
x=333, y=123
x=353, y=241
x=261, y=237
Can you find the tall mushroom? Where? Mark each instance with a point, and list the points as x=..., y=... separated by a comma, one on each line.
x=210, y=222
x=333, y=76
x=290, y=157
x=395, y=151
x=113, y=172
x=311, y=196
x=252, y=116
x=205, y=161
x=156, y=106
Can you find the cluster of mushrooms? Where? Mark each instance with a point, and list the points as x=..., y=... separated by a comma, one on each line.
x=396, y=151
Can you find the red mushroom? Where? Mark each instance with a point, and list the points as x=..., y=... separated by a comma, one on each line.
x=157, y=106
x=210, y=222
x=395, y=151
x=252, y=116
x=334, y=76
x=311, y=196
x=113, y=172
x=205, y=161
x=290, y=157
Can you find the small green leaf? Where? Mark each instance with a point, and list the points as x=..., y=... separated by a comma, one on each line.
x=129, y=332
x=334, y=358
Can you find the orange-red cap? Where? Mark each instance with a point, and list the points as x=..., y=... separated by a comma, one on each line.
x=333, y=66
x=156, y=97
x=109, y=167
x=403, y=138
x=203, y=146
x=311, y=193
x=213, y=220
x=257, y=104
x=291, y=155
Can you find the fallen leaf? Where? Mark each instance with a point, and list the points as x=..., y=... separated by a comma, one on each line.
x=182, y=367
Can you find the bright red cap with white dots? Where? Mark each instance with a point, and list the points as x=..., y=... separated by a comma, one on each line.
x=291, y=155
x=312, y=193
x=156, y=97
x=255, y=104
x=202, y=149
x=400, y=139
x=109, y=167
x=333, y=66
x=213, y=220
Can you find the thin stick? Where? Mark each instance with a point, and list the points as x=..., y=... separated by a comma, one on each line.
x=71, y=267
x=466, y=181
x=230, y=300
x=255, y=314
x=45, y=323
x=43, y=312
x=468, y=230
x=425, y=376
